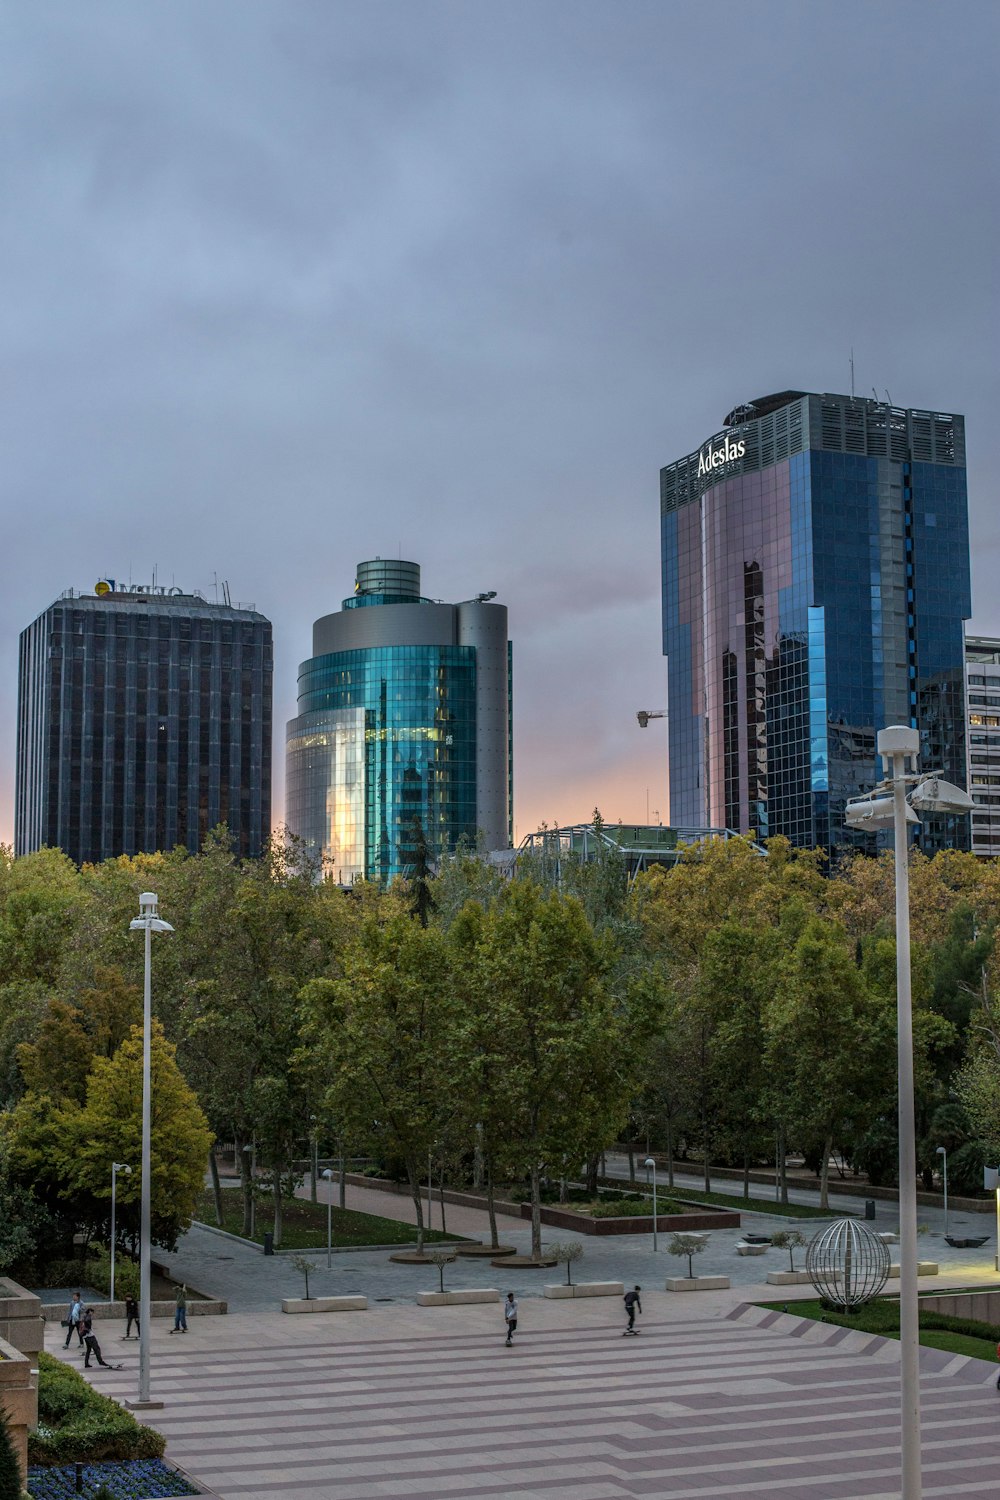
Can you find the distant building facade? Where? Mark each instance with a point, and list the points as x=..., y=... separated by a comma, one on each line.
x=144, y=720
x=982, y=682
x=402, y=743
x=815, y=577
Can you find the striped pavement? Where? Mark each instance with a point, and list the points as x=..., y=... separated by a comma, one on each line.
x=400, y=1404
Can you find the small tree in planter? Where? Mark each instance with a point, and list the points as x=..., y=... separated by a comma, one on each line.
x=10, y=1473
x=566, y=1254
x=790, y=1240
x=689, y=1245
x=304, y=1266
x=440, y=1258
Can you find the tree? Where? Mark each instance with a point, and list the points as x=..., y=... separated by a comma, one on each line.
x=689, y=1245
x=790, y=1240
x=829, y=1049
x=544, y=1042
x=391, y=1024
x=10, y=1469
x=66, y=1149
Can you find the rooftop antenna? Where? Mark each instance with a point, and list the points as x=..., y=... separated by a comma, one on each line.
x=225, y=593
x=215, y=581
x=875, y=393
x=888, y=399
x=852, y=373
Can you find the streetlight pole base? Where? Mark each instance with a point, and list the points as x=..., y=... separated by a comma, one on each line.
x=144, y=1405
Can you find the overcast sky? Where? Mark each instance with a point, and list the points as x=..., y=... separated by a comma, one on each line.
x=288, y=285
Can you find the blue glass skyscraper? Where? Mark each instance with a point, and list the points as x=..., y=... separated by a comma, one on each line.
x=815, y=577
x=402, y=742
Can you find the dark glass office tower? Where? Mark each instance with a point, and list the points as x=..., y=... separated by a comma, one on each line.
x=144, y=719
x=815, y=583
x=403, y=734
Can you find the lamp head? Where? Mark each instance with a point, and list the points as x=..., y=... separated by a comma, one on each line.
x=327, y=1173
x=874, y=810
x=649, y=1162
x=935, y=795
x=941, y=1151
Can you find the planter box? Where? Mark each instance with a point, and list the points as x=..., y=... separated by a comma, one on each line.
x=21, y=1320
x=18, y=1397
x=788, y=1278
x=452, y=1299
x=697, y=1219
x=924, y=1268
x=324, y=1304
x=697, y=1283
x=585, y=1289
x=752, y=1249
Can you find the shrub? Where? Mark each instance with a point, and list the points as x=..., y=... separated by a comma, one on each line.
x=79, y=1425
x=10, y=1473
x=633, y=1208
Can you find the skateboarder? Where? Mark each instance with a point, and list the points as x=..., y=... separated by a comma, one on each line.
x=510, y=1316
x=632, y=1306
x=93, y=1347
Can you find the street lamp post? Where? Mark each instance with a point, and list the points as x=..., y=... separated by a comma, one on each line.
x=148, y=922
x=116, y=1167
x=650, y=1164
x=889, y=806
x=942, y=1152
x=328, y=1178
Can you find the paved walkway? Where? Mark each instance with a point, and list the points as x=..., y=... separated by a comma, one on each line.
x=249, y=1280
x=427, y=1404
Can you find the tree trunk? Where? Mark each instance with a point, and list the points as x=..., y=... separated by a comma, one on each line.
x=343, y=1177
x=413, y=1173
x=746, y=1176
x=444, y=1229
x=277, y=1205
x=536, y=1212
x=592, y=1166
x=783, y=1165
x=670, y=1152
x=490, y=1205
x=824, y=1176
x=213, y=1167
x=631, y=1164
x=246, y=1182
x=313, y=1152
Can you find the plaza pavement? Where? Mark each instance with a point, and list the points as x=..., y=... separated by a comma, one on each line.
x=714, y=1399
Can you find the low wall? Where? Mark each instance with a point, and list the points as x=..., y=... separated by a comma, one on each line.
x=984, y=1307
x=22, y=1325
x=203, y=1307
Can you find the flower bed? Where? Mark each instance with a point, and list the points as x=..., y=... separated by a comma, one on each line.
x=142, y=1479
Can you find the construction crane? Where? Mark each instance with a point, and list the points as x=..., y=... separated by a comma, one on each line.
x=645, y=714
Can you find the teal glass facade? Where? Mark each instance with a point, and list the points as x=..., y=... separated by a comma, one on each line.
x=402, y=743
x=418, y=755
x=815, y=587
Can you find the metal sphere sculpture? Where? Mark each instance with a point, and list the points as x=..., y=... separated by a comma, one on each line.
x=847, y=1264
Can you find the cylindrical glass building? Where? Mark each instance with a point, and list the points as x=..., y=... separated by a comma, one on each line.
x=402, y=743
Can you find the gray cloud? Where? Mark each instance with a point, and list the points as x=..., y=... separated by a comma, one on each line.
x=289, y=286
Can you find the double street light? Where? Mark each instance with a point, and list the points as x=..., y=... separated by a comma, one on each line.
x=650, y=1164
x=892, y=805
x=942, y=1152
x=116, y=1167
x=328, y=1178
x=148, y=921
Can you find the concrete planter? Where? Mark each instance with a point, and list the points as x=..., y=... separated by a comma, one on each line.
x=924, y=1268
x=54, y=1312
x=788, y=1278
x=697, y=1283
x=453, y=1299
x=585, y=1289
x=18, y=1399
x=324, y=1304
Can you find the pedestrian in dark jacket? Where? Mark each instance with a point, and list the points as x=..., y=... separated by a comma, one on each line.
x=90, y=1340
x=632, y=1306
x=131, y=1316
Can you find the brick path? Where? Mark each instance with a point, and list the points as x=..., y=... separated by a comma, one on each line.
x=426, y=1404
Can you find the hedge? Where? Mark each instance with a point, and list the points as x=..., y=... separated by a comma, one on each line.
x=76, y=1424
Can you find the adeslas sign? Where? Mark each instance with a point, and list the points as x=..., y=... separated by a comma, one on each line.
x=713, y=458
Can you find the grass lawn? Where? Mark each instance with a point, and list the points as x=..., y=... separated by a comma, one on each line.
x=937, y=1330
x=304, y=1223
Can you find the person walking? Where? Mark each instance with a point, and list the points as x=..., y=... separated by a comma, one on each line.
x=90, y=1340
x=180, y=1311
x=73, y=1320
x=510, y=1317
x=131, y=1316
x=632, y=1306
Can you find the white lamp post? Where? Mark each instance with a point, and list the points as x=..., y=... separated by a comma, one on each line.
x=650, y=1164
x=328, y=1178
x=148, y=922
x=944, y=1175
x=116, y=1167
x=888, y=806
